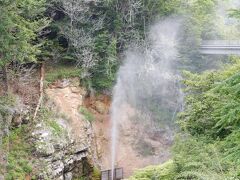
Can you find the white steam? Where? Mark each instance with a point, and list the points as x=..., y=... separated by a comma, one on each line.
x=148, y=78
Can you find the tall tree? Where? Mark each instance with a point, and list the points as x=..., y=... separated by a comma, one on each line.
x=99, y=31
x=21, y=20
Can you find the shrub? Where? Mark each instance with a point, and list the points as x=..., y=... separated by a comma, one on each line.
x=96, y=175
x=57, y=129
x=61, y=72
x=163, y=172
x=18, y=152
x=87, y=114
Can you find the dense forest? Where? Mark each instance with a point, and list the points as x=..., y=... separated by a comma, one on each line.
x=87, y=39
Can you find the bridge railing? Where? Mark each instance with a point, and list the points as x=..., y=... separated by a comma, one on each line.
x=220, y=43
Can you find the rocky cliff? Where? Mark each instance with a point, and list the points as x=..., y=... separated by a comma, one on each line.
x=59, y=141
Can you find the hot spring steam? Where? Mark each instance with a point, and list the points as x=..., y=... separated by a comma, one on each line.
x=147, y=84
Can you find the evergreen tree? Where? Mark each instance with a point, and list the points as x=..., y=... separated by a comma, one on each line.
x=21, y=20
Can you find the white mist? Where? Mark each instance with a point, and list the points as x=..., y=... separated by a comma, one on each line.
x=147, y=74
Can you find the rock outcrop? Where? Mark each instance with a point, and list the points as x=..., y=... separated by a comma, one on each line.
x=59, y=155
x=63, y=144
x=62, y=140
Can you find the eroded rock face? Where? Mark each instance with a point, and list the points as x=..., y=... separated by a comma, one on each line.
x=65, y=153
x=101, y=107
x=59, y=155
x=12, y=117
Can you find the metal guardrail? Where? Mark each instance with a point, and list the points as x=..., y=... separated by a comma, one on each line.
x=226, y=47
x=220, y=43
x=117, y=175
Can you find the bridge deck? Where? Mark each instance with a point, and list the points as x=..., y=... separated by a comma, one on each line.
x=227, y=47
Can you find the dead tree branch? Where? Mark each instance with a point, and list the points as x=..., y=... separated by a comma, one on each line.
x=40, y=90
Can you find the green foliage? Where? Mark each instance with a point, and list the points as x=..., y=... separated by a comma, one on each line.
x=60, y=72
x=197, y=25
x=5, y=103
x=18, y=152
x=96, y=175
x=195, y=159
x=211, y=116
x=163, y=172
x=49, y=117
x=20, y=22
x=231, y=147
x=208, y=146
x=81, y=178
x=57, y=129
x=212, y=102
x=87, y=114
x=7, y=100
x=235, y=13
x=123, y=22
x=103, y=74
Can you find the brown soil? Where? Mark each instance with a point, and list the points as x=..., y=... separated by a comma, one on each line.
x=102, y=130
x=68, y=104
x=136, y=148
x=23, y=84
